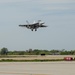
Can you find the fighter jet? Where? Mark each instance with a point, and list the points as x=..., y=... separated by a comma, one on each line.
x=34, y=26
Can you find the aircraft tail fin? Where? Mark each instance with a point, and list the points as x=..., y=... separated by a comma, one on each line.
x=39, y=21
x=34, y=22
x=27, y=22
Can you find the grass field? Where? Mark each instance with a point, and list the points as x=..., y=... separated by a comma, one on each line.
x=35, y=57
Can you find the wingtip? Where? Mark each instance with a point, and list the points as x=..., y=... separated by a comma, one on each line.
x=20, y=25
x=46, y=26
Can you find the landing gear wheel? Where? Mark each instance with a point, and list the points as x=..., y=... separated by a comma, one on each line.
x=35, y=29
x=31, y=29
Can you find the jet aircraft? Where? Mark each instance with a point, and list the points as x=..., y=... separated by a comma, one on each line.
x=34, y=25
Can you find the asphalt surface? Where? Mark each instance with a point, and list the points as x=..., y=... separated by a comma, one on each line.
x=37, y=68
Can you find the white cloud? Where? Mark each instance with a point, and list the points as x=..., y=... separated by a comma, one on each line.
x=6, y=1
x=56, y=8
x=54, y=1
x=54, y=4
x=41, y=1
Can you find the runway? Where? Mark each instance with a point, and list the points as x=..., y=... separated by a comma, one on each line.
x=37, y=68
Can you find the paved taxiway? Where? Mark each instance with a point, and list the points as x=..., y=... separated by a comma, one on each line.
x=37, y=68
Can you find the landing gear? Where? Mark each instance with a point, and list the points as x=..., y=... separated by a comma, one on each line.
x=35, y=29
x=31, y=29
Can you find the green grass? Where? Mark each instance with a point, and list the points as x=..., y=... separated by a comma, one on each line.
x=36, y=60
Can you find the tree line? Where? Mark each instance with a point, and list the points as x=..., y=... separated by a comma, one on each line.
x=5, y=51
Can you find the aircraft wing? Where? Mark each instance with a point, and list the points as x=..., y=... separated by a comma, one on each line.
x=23, y=25
x=34, y=24
x=42, y=26
x=29, y=25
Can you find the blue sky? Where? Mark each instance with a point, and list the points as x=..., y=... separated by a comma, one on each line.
x=58, y=15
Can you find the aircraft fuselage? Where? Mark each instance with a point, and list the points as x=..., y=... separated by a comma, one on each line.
x=33, y=26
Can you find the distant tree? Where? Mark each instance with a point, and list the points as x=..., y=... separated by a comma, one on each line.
x=30, y=51
x=55, y=52
x=21, y=52
x=4, y=51
x=36, y=52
